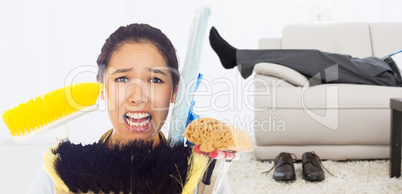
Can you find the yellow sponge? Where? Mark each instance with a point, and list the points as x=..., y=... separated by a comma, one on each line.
x=212, y=134
x=36, y=113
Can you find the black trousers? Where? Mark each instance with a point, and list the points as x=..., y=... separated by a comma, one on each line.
x=327, y=67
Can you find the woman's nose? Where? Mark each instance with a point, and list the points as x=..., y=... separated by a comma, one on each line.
x=137, y=94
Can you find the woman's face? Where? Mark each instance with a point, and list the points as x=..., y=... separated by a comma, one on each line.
x=138, y=91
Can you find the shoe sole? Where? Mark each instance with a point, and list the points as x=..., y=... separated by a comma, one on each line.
x=284, y=179
x=313, y=179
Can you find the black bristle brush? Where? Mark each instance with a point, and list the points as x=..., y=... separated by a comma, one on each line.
x=137, y=167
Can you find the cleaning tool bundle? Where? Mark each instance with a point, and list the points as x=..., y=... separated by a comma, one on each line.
x=52, y=110
x=142, y=167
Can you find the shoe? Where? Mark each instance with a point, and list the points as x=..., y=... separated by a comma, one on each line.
x=284, y=168
x=312, y=170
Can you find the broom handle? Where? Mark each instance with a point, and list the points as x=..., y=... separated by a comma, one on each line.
x=61, y=132
x=208, y=173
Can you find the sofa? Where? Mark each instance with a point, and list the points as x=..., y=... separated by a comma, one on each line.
x=337, y=121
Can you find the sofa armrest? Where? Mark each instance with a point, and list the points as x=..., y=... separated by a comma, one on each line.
x=282, y=72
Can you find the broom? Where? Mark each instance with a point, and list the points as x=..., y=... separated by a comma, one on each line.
x=52, y=111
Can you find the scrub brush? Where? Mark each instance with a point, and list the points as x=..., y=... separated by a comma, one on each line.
x=52, y=111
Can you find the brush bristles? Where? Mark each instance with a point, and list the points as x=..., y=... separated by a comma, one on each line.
x=136, y=167
x=38, y=112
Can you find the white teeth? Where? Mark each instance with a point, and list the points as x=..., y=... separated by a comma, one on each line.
x=137, y=115
x=133, y=124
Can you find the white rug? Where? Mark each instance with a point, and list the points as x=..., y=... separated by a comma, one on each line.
x=245, y=177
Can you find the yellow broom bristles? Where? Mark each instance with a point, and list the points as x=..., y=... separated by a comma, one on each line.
x=198, y=164
x=49, y=159
x=38, y=112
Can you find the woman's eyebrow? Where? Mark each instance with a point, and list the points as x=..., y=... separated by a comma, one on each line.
x=122, y=70
x=157, y=71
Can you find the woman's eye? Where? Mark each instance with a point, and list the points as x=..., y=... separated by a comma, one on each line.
x=121, y=79
x=155, y=80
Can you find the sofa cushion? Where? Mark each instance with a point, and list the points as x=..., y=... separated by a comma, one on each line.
x=386, y=38
x=347, y=96
x=331, y=127
x=343, y=38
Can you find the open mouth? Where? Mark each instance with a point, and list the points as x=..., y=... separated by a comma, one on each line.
x=137, y=121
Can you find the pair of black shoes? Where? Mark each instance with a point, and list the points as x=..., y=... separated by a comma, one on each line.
x=285, y=171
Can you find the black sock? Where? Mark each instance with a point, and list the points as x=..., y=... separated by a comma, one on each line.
x=225, y=51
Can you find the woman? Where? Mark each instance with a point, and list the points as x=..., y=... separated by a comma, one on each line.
x=139, y=69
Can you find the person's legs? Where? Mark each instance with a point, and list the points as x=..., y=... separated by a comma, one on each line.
x=371, y=70
x=306, y=62
x=332, y=68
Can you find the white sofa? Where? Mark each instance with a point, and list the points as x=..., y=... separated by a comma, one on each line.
x=337, y=121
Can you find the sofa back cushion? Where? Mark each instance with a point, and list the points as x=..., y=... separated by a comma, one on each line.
x=343, y=38
x=386, y=38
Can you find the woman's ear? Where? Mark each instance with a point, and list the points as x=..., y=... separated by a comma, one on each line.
x=174, y=95
x=102, y=94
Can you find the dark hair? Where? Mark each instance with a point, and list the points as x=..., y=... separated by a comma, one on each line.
x=139, y=33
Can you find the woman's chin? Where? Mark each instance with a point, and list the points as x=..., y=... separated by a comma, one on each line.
x=144, y=133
